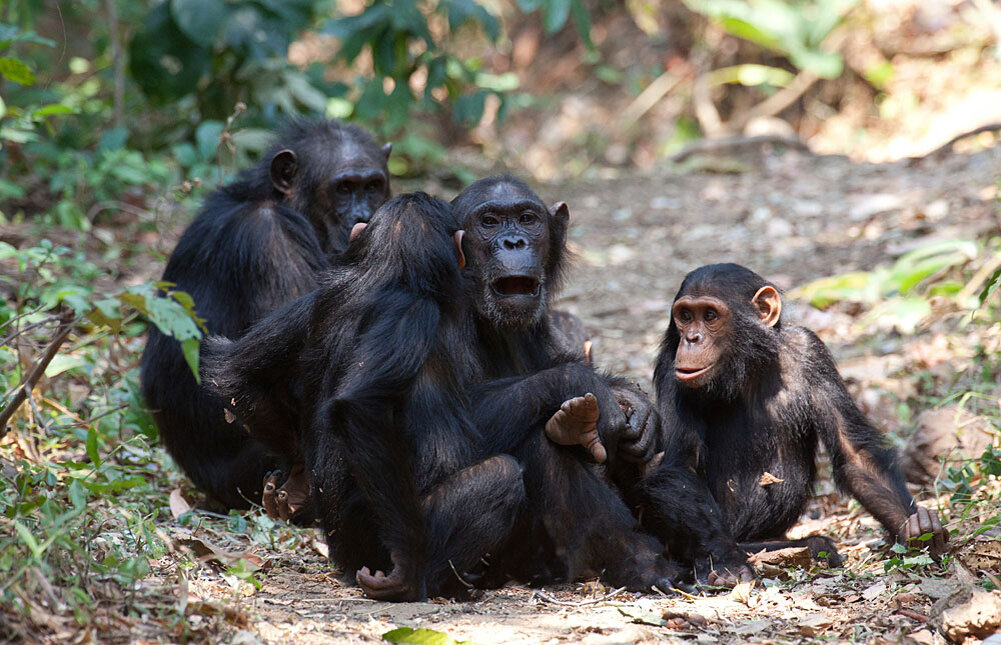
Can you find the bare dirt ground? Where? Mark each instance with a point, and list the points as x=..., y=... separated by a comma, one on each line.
x=791, y=217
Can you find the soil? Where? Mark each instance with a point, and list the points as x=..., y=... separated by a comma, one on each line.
x=791, y=217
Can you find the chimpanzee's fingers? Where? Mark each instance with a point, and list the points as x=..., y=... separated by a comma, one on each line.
x=268, y=497
x=282, y=498
x=924, y=522
x=913, y=529
x=593, y=443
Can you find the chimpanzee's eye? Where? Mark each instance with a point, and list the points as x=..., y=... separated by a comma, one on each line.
x=685, y=316
x=710, y=315
x=528, y=217
x=489, y=221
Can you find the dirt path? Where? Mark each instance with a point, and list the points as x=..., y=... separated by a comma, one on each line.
x=792, y=218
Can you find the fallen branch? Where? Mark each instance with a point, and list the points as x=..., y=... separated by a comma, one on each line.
x=36, y=372
x=575, y=603
x=708, y=146
x=991, y=127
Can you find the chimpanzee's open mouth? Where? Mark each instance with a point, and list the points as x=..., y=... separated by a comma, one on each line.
x=516, y=285
x=689, y=373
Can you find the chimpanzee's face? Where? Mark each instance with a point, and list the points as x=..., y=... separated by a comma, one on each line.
x=336, y=184
x=508, y=248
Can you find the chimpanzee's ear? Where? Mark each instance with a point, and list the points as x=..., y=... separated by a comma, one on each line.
x=284, y=165
x=769, y=305
x=457, y=238
x=387, y=149
x=560, y=211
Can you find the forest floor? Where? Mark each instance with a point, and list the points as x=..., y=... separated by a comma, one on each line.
x=793, y=218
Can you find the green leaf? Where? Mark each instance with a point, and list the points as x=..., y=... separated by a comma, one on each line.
x=200, y=20
x=62, y=363
x=421, y=636
x=16, y=71
x=207, y=137
x=29, y=539
x=190, y=349
x=95, y=456
x=54, y=109
x=555, y=15
x=78, y=495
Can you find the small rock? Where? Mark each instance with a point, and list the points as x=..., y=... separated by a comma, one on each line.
x=937, y=210
x=977, y=614
x=778, y=227
x=868, y=206
x=662, y=202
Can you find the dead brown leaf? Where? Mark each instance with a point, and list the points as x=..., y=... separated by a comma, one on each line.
x=178, y=505
x=767, y=479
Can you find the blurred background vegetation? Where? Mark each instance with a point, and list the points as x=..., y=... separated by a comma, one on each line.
x=116, y=116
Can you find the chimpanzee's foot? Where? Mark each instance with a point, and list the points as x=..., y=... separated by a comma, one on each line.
x=290, y=500
x=576, y=423
x=395, y=587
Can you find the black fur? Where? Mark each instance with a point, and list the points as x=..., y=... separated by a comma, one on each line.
x=776, y=393
x=253, y=248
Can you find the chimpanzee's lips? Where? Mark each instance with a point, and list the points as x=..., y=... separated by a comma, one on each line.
x=517, y=285
x=690, y=373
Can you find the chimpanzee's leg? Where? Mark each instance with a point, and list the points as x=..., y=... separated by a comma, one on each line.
x=591, y=528
x=468, y=515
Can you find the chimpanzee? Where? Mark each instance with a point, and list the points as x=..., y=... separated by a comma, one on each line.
x=743, y=400
x=258, y=243
x=523, y=375
x=399, y=476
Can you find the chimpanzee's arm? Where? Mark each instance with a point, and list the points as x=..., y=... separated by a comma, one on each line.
x=509, y=410
x=679, y=509
x=863, y=463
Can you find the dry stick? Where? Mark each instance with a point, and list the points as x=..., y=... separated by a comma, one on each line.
x=579, y=603
x=776, y=102
x=37, y=371
x=991, y=127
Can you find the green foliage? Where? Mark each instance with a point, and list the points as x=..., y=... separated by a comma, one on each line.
x=397, y=34
x=421, y=636
x=222, y=53
x=893, y=291
x=796, y=29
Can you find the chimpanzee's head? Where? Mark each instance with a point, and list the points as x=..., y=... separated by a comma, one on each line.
x=724, y=326
x=334, y=174
x=514, y=247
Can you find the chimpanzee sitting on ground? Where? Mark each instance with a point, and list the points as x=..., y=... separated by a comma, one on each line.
x=399, y=476
x=522, y=374
x=744, y=401
x=257, y=244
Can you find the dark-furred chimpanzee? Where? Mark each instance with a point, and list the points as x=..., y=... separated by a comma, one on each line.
x=258, y=243
x=399, y=476
x=522, y=375
x=744, y=400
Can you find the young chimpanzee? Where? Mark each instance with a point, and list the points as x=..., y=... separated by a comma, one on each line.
x=258, y=243
x=399, y=475
x=744, y=400
x=523, y=375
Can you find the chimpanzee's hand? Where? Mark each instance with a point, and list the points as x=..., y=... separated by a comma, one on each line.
x=638, y=442
x=920, y=523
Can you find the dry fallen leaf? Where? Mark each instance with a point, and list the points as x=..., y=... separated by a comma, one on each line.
x=767, y=479
x=742, y=593
x=178, y=505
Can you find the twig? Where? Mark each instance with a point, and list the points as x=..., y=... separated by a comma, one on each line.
x=649, y=97
x=913, y=615
x=577, y=603
x=717, y=145
x=776, y=102
x=992, y=127
x=39, y=369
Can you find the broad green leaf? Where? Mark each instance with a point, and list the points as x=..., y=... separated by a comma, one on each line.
x=903, y=313
x=190, y=348
x=751, y=75
x=30, y=541
x=421, y=636
x=92, y=451
x=554, y=16
x=207, y=137
x=15, y=70
x=62, y=363
x=200, y=20
x=54, y=109
x=78, y=495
